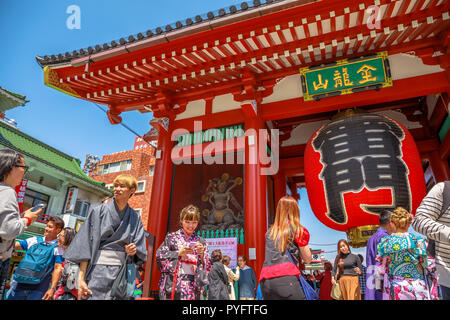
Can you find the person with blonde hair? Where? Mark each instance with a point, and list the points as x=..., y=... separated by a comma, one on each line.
x=286, y=245
x=111, y=235
x=405, y=258
x=183, y=260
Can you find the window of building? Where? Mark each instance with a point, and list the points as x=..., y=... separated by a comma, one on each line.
x=114, y=167
x=81, y=208
x=141, y=186
x=33, y=198
x=152, y=171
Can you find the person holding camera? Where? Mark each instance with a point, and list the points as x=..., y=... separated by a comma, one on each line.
x=12, y=170
x=183, y=260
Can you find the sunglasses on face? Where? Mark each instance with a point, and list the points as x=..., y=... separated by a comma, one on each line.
x=22, y=166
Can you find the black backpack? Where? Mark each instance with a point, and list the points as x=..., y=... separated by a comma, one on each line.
x=431, y=248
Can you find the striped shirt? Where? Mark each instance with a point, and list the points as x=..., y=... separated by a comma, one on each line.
x=427, y=223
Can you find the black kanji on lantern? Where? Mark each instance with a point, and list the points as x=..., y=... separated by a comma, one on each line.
x=362, y=151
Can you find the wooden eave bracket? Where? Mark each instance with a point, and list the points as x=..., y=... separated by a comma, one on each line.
x=114, y=115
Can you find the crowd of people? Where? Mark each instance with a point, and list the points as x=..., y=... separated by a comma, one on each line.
x=93, y=262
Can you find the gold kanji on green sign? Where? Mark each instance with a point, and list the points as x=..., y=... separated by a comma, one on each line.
x=344, y=76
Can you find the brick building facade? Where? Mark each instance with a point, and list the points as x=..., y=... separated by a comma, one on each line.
x=138, y=162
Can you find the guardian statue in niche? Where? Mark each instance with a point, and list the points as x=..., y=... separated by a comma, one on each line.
x=219, y=195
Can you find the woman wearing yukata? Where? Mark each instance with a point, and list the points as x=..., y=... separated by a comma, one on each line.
x=183, y=260
x=405, y=258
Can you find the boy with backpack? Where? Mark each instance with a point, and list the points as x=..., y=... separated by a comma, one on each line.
x=41, y=265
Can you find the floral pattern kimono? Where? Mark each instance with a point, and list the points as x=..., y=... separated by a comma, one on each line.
x=431, y=278
x=405, y=260
x=190, y=270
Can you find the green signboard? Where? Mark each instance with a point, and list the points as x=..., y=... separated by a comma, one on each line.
x=210, y=135
x=346, y=76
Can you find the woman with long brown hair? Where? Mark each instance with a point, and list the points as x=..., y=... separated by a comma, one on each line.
x=286, y=245
x=347, y=267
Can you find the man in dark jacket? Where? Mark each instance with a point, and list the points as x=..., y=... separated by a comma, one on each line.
x=218, y=278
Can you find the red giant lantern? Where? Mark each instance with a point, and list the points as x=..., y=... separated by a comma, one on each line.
x=358, y=165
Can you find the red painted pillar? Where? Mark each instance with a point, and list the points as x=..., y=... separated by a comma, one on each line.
x=255, y=196
x=294, y=191
x=160, y=199
x=280, y=186
x=440, y=167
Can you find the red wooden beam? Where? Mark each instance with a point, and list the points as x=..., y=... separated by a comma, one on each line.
x=288, y=57
x=439, y=112
x=293, y=34
x=224, y=88
x=393, y=36
x=281, y=35
x=221, y=147
x=410, y=29
x=360, y=15
x=292, y=151
x=268, y=51
x=319, y=39
x=389, y=9
x=292, y=166
x=432, y=3
x=347, y=42
x=418, y=31
x=444, y=149
x=406, y=47
x=346, y=20
x=401, y=89
x=300, y=56
x=215, y=120
x=298, y=179
x=212, y=35
x=403, y=7
x=370, y=40
x=418, y=5
x=359, y=40
x=306, y=30
x=437, y=24
x=319, y=26
x=428, y=145
x=332, y=21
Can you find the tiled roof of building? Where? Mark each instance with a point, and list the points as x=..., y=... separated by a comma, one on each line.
x=246, y=6
x=10, y=100
x=27, y=145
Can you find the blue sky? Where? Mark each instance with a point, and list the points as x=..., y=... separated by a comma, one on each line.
x=322, y=237
x=29, y=28
x=77, y=127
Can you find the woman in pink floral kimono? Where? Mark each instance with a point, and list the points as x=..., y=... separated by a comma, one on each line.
x=183, y=260
x=405, y=258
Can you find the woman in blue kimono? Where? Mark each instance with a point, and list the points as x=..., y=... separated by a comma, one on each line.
x=111, y=232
